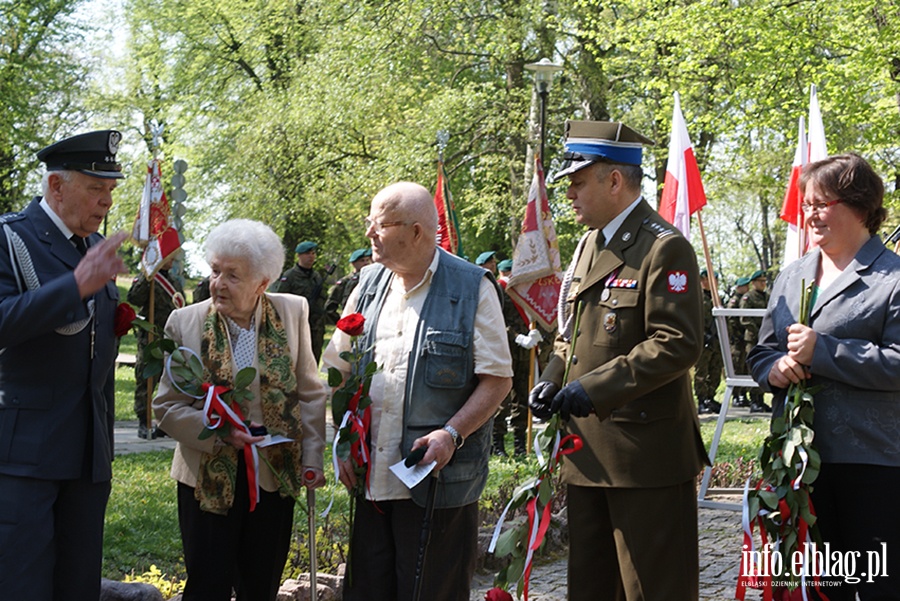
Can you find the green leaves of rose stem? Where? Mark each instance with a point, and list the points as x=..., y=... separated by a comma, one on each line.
x=781, y=458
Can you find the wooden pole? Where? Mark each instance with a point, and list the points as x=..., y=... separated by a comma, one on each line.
x=713, y=284
x=149, y=407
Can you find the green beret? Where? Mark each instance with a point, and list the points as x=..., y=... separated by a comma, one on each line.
x=742, y=281
x=358, y=254
x=305, y=247
x=505, y=265
x=759, y=273
x=485, y=257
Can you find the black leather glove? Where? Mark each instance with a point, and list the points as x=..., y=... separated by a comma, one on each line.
x=540, y=399
x=572, y=401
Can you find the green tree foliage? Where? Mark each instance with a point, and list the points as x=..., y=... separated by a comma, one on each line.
x=41, y=86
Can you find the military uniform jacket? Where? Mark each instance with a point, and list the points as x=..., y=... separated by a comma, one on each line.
x=307, y=283
x=641, y=330
x=56, y=401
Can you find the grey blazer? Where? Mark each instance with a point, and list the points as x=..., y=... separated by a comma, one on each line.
x=856, y=357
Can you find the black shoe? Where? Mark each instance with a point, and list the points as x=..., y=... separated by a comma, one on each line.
x=741, y=401
x=716, y=406
x=145, y=433
x=703, y=407
x=759, y=407
x=159, y=433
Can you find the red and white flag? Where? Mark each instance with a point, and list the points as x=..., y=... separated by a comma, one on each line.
x=810, y=148
x=682, y=194
x=448, y=227
x=791, y=210
x=153, y=228
x=536, y=274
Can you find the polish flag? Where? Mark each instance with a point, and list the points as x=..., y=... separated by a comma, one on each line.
x=682, y=194
x=153, y=229
x=810, y=148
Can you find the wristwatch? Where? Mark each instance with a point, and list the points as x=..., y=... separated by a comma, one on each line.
x=458, y=440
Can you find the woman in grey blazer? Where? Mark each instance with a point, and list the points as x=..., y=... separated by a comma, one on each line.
x=852, y=349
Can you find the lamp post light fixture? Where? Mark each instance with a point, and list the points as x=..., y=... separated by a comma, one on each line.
x=544, y=70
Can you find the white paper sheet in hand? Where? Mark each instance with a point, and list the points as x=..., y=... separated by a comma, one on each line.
x=273, y=439
x=410, y=476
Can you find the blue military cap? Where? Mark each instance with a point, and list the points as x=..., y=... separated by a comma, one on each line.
x=359, y=253
x=305, y=247
x=759, y=273
x=742, y=281
x=505, y=265
x=485, y=257
x=589, y=142
x=93, y=153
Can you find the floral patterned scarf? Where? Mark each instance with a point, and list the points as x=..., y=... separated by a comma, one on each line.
x=280, y=407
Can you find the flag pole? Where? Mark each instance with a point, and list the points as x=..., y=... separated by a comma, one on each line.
x=713, y=284
x=149, y=416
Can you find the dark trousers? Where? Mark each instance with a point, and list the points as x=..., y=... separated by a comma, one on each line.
x=385, y=547
x=51, y=538
x=243, y=550
x=633, y=543
x=856, y=505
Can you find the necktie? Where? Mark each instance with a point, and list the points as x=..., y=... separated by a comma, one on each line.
x=79, y=244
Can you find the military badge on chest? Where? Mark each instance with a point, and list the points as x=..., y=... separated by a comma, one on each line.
x=610, y=322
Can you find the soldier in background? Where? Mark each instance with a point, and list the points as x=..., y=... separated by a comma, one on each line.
x=755, y=298
x=303, y=280
x=201, y=291
x=341, y=290
x=487, y=261
x=708, y=370
x=736, y=337
x=168, y=295
x=515, y=405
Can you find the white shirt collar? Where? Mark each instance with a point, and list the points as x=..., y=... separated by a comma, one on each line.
x=55, y=219
x=613, y=226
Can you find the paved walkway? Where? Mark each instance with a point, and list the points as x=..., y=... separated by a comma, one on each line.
x=720, y=541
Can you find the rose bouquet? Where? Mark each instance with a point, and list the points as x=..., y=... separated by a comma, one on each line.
x=351, y=409
x=779, y=505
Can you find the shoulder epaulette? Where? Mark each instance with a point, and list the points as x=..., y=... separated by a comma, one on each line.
x=10, y=217
x=658, y=230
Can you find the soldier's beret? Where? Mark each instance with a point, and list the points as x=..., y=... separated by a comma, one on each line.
x=742, y=281
x=305, y=247
x=485, y=257
x=358, y=254
x=759, y=273
x=505, y=265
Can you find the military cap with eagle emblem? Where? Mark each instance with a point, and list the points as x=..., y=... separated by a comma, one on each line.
x=93, y=154
x=589, y=142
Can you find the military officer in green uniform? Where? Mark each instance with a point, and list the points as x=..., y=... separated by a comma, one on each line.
x=755, y=298
x=708, y=370
x=736, y=339
x=168, y=295
x=634, y=280
x=303, y=280
x=341, y=290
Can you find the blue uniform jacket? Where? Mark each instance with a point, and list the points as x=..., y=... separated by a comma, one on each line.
x=57, y=405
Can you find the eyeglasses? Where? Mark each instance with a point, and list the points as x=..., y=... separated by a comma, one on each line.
x=819, y=206
x=379, y=226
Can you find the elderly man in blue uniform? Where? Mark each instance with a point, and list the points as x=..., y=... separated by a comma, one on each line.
x=634, y=280
x=444, y=368
x=57, y=302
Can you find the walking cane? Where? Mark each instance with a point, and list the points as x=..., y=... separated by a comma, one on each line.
x=412, y=459
x=309, y=476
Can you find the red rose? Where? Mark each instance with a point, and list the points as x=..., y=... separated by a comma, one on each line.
x=352, y=324
x=497, y=594
x=124, y=316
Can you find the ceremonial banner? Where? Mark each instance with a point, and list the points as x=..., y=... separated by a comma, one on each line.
x=448, y=226
x=682, y=194
x=153, y=228
x=536, y=275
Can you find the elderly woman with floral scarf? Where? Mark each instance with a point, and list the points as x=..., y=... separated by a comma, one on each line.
x=235, y=535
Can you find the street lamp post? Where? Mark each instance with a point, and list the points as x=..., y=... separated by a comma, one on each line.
x=544, y=70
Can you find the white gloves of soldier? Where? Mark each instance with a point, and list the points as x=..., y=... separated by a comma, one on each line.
x=530, y=340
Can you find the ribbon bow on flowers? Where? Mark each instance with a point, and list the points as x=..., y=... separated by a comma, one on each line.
x=780, y=503
x=222, y=408
x=524, y=539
